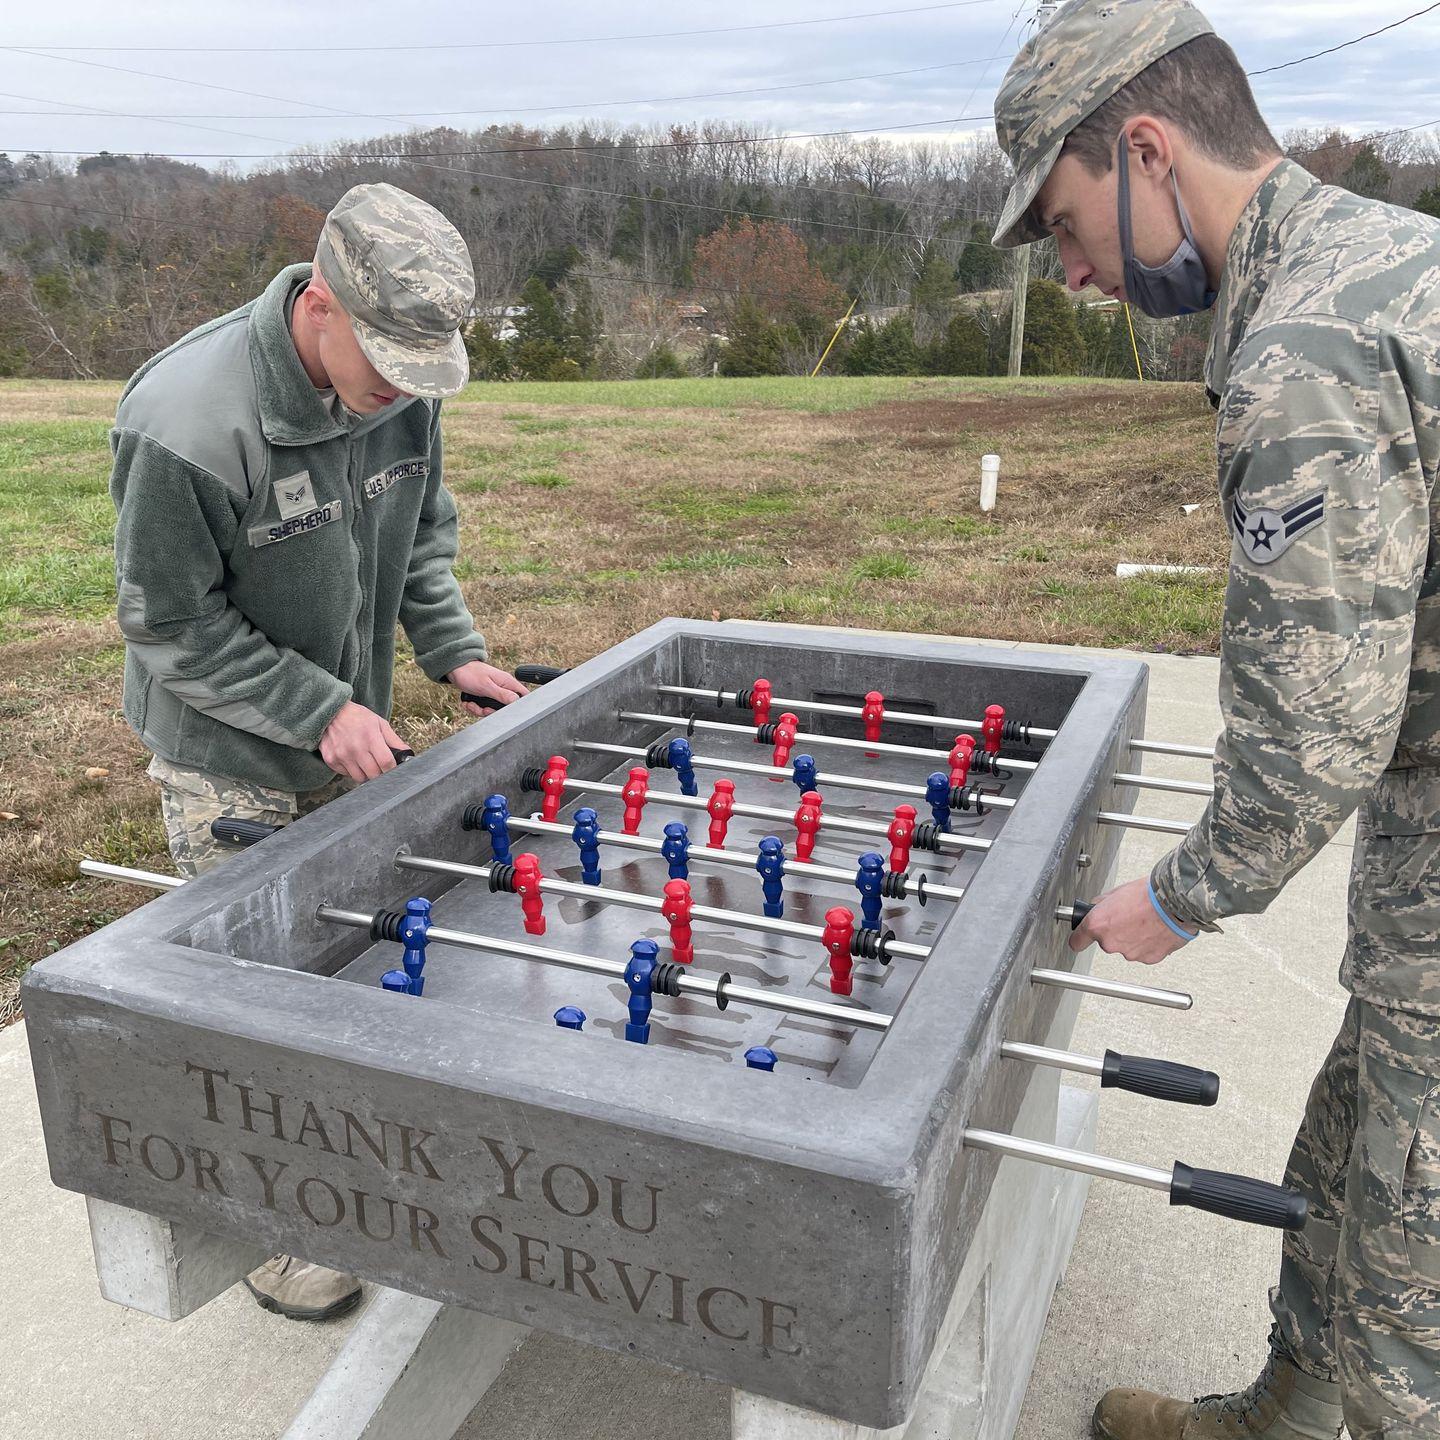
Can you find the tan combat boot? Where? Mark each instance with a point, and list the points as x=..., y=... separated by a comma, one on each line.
x=302, y=1291
x=1283, y=1404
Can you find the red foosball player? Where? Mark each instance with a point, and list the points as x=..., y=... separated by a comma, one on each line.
x=960, y=758
x=637, y=789
x=786, y=728
x=721, y=807
x=760, y=702
x=901, y=833
x=839, y=930
x=993, y=728
x=873, y=714
x=553, y=784
x=676, y=909
x=527, y=887
x=807, y=824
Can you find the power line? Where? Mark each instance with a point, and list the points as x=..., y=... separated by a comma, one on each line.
x=520, y=109
x=506, y=44
x=1346, y=44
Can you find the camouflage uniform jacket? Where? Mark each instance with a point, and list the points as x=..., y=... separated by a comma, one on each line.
x=1325, y=369
x=265, y=550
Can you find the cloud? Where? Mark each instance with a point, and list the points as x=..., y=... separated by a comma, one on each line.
x=1382, y=83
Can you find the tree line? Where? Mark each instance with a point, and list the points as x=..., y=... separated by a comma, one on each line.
x=608, y=252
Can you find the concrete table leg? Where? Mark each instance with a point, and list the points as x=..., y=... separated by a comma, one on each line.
x=986, y=1345
x=161, y=1267
x=411, y=1369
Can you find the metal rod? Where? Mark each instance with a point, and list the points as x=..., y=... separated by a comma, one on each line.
x=1079, y=1160
x=1164, y=747
x=767, y=812
x=921, y=752
x=1113, y=989
x=905, y=717
x=1056, y=1059
x=149, y=878
x=1061, y=979
x=819, y=707
x=790, y=928
x=690, y=984
x=892, y=787
x=716, y=855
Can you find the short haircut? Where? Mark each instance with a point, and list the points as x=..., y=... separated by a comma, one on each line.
x=1202, y=88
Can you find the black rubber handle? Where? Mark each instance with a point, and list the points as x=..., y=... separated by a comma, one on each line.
x=526, y=675
x=401, y=755
x=240, y=833
x=1078, y=911
x=1238, y=1197
x=1160, y=1079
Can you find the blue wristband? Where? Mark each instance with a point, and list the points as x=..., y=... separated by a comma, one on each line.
x=1185, y=935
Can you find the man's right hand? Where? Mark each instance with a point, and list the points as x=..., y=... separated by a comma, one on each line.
x=357, y=743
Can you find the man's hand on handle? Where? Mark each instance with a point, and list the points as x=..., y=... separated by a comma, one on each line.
x=358, y=743
x=477, y=678
x=1125, y=922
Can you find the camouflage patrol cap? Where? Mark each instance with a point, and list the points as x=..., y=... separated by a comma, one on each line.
x=1063, y=74
x=402, y=273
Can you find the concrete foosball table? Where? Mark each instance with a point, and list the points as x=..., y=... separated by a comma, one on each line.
x=844, y=1240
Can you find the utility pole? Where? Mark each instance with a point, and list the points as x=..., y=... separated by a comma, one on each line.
x=1044, y=13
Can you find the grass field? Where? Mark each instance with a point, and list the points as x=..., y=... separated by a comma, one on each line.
x=590, y=510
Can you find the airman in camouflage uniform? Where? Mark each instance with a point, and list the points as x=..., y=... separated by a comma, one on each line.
x=1324, y=367
x=278, y=478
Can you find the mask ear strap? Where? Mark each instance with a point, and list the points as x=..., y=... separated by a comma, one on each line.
x=1122, y=161
x=1180, y=205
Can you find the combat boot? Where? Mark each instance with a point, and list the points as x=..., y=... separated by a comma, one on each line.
x=302, y=1291
x=1284, y=1403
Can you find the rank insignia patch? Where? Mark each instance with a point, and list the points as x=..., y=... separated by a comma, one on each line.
x=1265, y=535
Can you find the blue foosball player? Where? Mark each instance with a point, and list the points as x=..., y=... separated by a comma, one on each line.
x=496, y=821
x=678, y=756
x=586, y=836
x=414, y=934
x=676, y=849
x=771, y=865
x=937, y=796
x=805, y=774
x=638, y=975
x=869, y=881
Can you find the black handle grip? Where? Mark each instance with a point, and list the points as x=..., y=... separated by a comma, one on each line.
x=538, y=674
x=1238, y=1197
x=526, y=675
x=231, y=830
x=1160, y=1079
x=1078, y=911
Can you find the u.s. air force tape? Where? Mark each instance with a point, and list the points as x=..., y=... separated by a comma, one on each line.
x=296, y=525
x=1265, y=535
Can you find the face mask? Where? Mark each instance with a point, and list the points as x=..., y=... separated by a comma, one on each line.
x=1179, y=286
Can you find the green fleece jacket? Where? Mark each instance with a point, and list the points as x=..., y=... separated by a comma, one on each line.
x=265, y=551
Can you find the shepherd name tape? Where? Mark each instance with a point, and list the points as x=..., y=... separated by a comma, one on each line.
x=298, y=525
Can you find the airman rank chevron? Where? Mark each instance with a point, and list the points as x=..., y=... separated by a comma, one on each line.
x=1265, y=535
x=296, y=525
x=378, y=484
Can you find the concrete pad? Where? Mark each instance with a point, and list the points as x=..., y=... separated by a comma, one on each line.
x=1170, y=1298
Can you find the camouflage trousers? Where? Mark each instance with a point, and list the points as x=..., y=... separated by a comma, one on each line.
x=191, y=799
x=1359, y=1292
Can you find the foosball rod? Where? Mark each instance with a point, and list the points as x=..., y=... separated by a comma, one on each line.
x=717, y=988
x=925, y=889
x=791, y=929
x=1236, y=1197
x=1117, y=818
x=767, y=812
x=717, y=855
x=806, y=738
x=1159, y=1079
x=910, y=717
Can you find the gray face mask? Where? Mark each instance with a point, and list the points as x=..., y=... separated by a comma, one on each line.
x=1179, y=286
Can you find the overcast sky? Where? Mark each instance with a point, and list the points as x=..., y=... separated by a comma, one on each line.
x=1384, y=82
